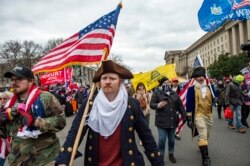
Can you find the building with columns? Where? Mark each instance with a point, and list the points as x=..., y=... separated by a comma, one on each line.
x=226, y=39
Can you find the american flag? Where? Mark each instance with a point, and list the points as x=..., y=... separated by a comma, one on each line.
x=85, y=47
x=197, y=63
x=182, y=95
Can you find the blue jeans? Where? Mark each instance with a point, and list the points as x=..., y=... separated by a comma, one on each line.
x=163, y=134
x=237, y=110
x=2, y=161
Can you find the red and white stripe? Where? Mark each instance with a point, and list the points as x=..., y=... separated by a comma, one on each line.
x=183, y=95
x=85, y=50
x=242, y=4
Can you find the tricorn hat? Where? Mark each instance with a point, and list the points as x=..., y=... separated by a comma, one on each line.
x=199, y=71
x=109, y=66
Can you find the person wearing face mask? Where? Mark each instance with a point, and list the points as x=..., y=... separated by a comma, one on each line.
x=167, y=103
x=221, y=90
x=199, y=111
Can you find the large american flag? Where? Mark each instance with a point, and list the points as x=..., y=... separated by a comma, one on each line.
x=197, y=63
x=85, y=47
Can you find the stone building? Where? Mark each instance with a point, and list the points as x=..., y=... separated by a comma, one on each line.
x=226, y=39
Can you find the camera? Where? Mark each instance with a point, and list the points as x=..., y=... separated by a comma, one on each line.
x=246, y=47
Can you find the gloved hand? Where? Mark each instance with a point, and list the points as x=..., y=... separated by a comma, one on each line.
x=26, y=118
x=8, y=114
x=190, y=122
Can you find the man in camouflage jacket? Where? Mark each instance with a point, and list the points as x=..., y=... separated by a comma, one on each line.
x=31, y=117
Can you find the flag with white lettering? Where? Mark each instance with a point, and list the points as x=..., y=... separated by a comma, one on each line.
x=214, y=13
x=85, y=47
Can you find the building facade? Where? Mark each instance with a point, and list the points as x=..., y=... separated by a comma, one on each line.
x=226, y=39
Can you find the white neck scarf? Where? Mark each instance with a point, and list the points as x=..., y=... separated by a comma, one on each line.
x=105, y=116
x=203, y=87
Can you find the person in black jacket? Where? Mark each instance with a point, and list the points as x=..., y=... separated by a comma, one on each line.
x=112, y=122
x=167, y=104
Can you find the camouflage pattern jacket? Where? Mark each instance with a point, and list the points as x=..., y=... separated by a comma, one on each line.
x=45, y=148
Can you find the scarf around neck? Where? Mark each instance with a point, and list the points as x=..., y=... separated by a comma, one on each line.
x=25, y=131
x=202, y=87
x=105, y=116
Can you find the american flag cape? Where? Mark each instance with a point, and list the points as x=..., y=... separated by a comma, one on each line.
x=182, y=95
x=197, y=63
x=83, y=48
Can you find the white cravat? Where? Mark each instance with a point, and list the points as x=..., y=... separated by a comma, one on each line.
x=105, y=116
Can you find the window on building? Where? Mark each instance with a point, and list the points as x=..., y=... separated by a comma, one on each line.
x=218, y=41
x=214, y=43
x=218, y=49
x=221, y=38
x=215, y=51
x=207, y=46
x=222, y=47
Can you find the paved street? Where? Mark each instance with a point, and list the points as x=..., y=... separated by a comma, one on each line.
x=227, y=147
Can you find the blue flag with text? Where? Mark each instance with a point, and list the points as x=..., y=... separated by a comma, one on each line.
x=214, y=13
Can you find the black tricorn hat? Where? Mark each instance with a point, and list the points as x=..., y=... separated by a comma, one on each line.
x=199, y=71
x=109, y=66
x=163, y=79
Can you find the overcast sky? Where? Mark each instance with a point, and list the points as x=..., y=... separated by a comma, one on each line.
x=145, y=28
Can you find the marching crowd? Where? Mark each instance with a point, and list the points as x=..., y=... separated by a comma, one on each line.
x=30, y=117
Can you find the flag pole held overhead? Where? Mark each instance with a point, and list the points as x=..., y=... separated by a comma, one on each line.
x=105, y=52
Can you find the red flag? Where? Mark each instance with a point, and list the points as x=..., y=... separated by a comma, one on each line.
x=60, y=76
x=85, y=47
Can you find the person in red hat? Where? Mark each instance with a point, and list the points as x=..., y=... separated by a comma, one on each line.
x=175, y=87
x=112, y=122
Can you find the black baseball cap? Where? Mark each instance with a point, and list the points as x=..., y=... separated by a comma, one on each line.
x=20, y=71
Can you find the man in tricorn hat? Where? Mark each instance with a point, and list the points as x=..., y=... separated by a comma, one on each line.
x=111, y=124
x=199, y=111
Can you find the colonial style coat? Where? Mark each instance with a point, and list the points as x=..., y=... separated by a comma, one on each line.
x=133, y=120
x=190, y=105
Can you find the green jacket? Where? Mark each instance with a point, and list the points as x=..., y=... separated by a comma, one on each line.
x=45, y=148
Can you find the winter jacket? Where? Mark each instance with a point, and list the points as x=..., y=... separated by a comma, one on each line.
x=233, y=94
x=167, y=117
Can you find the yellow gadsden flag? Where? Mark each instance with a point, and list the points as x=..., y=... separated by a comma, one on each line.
x=150, y=79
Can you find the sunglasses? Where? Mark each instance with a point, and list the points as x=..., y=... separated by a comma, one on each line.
x=3, y=98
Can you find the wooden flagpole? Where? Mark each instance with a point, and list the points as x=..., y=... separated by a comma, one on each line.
x=85, y=114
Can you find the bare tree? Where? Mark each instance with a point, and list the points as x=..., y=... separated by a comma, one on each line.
x=51, y=44
x=16, y=53
x=118, y=59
